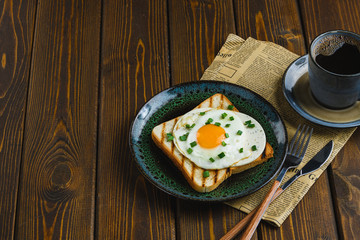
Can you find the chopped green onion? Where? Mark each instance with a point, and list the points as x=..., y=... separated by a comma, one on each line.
x=190, y=126
x=223, y=116
x=189, y=150
x=184, y=137
x=239, y=132
x=206, y=174
x=230, y=107
x=226, y=135
x=223, y=143
x=227, y=125
x=253, y=148
x=169, y=137
x=249, y=124
x=231, y=118
x=202, y=113
x=241, y=150
x=193, y=144
x=217, y=124
x=211, y=159
x=221, y=155
x=210, y=120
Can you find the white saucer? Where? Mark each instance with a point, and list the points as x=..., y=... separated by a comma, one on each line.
x=297, y=92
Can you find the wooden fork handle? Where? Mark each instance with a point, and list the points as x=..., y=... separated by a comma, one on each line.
x=249, y=231
x=244, y=222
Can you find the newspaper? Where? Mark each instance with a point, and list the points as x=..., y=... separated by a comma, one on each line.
x=259, y=66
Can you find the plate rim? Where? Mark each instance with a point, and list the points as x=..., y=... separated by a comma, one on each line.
x=192, y=198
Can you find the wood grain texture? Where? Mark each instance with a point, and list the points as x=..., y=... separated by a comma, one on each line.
x=198, y=220
x=134, y=67
x=275, y=21
x=17, y=20
x=279, y=22
x=320, y=16
x=57, y=185
x=64, y=141
x=303, y=223
x=197, y=31
x=346, y=188
x=252, y=226
x=324, y=15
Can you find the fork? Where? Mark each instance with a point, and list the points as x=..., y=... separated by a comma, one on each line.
x=294, y=156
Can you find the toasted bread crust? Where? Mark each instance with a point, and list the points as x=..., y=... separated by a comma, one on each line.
x=192, y=173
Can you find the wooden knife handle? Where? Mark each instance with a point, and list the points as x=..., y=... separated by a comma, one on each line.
x=249, y=231
x=244, y=222
x=238, y=227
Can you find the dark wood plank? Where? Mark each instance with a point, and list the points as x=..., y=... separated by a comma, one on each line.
x=320, y=16
x=324, y=15
x=197, y=31
x=17, y=21
x=134, y=67
x=279, y=21
x=345, y=177
x=275, y=21
x=303, y=223
x=57, y=185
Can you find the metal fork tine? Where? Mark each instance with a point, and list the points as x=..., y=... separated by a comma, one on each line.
x=301, y=141
x=293, y=152
x=293, y=139
x=307, y=143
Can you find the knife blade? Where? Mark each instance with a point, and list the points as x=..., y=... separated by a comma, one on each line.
x=315, y=163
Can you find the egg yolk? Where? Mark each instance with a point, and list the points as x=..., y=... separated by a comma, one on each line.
x=210, y=136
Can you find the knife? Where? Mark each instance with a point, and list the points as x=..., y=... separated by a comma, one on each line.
x=314, y=164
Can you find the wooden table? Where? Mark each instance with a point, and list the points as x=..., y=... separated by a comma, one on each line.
x=74, y=74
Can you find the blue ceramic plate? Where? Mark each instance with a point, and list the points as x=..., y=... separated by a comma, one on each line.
x=178, y=100
x=296, y=89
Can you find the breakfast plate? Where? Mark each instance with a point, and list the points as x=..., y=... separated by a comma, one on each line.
x=296, y=89
x=178, y=100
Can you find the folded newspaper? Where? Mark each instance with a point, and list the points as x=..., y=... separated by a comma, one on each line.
x=259, y=66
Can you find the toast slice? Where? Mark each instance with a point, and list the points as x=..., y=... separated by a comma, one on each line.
x=192, y=173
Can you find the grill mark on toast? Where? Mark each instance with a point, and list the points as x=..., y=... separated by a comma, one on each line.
x=216, y=171
x=172, y=142
x=163, y=126
x=203, y=179
x=192, y=171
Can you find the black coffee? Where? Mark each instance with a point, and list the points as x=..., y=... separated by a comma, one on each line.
x=345, y=60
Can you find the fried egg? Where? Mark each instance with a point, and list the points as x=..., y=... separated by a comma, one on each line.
x=216, y=138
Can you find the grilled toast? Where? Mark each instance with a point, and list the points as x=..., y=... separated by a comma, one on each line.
x=192, y=173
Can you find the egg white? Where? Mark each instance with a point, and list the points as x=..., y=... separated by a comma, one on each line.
x=200, y=156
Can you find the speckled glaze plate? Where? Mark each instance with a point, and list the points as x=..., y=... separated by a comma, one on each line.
x=178, y=100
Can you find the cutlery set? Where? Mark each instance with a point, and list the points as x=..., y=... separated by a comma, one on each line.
x=295, y=154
